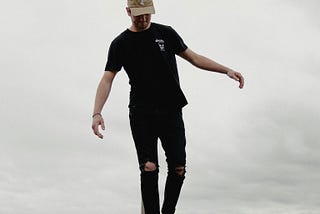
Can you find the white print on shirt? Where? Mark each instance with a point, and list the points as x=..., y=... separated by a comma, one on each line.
x=161, y=44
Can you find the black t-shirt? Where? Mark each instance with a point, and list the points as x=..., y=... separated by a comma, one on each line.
x=148, y=57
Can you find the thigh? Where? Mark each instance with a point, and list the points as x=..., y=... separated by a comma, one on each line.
x=173, y=138
x=144, y=135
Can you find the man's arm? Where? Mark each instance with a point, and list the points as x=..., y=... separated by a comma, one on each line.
x=205, y=63
x=102, y=94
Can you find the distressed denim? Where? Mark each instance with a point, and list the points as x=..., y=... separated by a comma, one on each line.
x=147, y=126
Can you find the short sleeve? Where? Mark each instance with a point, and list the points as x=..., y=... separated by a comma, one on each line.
x=177, y=42
x=114, y=60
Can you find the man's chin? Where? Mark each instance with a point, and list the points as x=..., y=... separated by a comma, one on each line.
x=142, y=26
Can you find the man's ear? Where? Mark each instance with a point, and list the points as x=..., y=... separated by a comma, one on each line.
x=128, y=11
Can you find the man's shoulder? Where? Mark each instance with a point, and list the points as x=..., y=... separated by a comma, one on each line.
x=121, y=37
x=162, y=26
x=166, y=30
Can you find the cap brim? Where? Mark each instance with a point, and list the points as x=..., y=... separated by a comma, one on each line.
x=142, y=10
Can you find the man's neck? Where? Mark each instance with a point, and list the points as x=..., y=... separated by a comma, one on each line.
x=135, y=29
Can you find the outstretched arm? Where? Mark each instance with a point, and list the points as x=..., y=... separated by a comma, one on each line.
x=102, y=94
x=205, y=63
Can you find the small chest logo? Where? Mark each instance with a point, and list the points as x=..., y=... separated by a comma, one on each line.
x=160, y=42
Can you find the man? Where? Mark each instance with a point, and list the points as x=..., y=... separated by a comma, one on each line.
x=147, y=52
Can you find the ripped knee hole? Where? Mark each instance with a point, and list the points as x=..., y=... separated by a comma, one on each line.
x=180, y=170
x=149, y=166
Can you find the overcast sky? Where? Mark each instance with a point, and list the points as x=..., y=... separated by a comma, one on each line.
x=249, y=151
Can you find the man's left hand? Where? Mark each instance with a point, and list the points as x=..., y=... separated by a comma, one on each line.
x=237, y=77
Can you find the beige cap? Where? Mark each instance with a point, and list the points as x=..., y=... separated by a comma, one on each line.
x=139, y=7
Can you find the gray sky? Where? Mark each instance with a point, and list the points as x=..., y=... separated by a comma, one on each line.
x=250, y=151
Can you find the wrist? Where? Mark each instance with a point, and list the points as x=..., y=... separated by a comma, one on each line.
x=96, y=114
x=228, y=71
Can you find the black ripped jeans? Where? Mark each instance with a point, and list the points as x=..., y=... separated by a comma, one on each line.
x=147, y=125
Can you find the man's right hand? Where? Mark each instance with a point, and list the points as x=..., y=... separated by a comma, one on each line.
x=97, y=121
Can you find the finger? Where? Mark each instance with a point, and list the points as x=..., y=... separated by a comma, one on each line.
x=96, y=131
x=94, y=128
x=99, y=134
x=241, y=80
x=102, y=124
x=235, y=78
